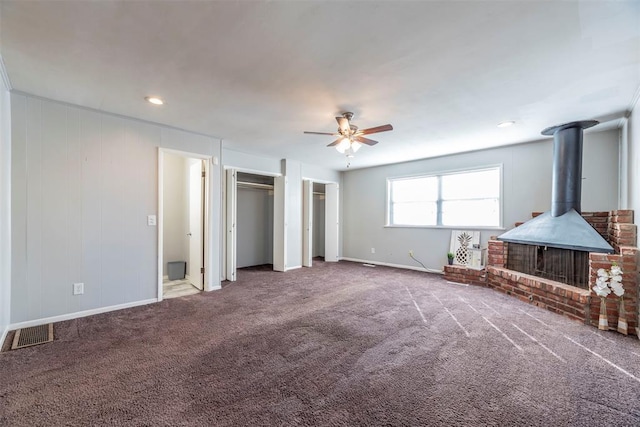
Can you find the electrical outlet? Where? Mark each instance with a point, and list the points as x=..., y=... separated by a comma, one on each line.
x=151, y=220
x=373, y=250
x=78, y=288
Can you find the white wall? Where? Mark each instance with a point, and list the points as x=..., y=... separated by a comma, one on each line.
x=320, y=174
x=526, y=188
x=175, y=226
x=254, y=227
x=250, y=162
x=83, y=183
x=633, y=165
x=293, y=206
x=600, y=167
x=5, y=210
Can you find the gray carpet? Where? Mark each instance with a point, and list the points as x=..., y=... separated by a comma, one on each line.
x=334, y=345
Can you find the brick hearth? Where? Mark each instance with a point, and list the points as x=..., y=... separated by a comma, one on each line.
x=579, y=304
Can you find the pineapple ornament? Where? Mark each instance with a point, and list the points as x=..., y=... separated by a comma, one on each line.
x=462, y=253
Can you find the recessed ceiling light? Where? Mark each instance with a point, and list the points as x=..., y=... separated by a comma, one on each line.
x=506, y=124
x=154, y=100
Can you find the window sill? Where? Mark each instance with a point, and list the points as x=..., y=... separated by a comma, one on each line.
x=447, y=227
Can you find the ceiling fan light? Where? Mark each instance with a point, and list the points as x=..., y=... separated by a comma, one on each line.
x=343, y=145
x=355, y=146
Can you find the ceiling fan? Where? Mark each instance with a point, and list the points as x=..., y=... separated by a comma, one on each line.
x=350, y=138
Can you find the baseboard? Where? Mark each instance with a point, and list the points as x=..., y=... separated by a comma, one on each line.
x=4, y=335
x=293, y=268
x=388, y=264
x=79, y=314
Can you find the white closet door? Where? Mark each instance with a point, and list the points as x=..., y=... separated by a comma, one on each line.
x=331, y=227
x=231, y=232
x=196, y=229
x=307, y=223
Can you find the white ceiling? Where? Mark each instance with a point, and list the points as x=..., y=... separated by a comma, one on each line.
x=259, y=73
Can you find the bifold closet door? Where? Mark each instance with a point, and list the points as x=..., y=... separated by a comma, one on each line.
x=331, y=228
x=307, y=223
x=231, y=231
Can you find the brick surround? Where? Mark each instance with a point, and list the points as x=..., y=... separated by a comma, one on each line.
x=578, y=304
x=465, y=275
x=554, y=296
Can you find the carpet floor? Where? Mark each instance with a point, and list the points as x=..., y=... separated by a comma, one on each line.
x=338, y=344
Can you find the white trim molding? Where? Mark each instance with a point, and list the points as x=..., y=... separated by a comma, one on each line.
x=4, y=334
x=78, y=314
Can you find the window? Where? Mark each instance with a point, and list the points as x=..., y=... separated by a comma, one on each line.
x=469, y=198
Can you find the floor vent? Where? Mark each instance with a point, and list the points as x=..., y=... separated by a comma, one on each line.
x=27, y=337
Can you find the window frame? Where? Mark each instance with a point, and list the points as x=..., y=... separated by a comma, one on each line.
x=438, y=174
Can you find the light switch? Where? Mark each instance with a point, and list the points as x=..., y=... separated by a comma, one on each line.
x=151, y=220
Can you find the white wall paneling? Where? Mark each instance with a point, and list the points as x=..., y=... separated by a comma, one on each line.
x=83, y=183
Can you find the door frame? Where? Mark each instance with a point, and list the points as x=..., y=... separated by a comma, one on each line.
x=208, y=226
x=330, y=216
x=227, y=210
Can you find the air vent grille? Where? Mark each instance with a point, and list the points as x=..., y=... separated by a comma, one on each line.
x=35, y=335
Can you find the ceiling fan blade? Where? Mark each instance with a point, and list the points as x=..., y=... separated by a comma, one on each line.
x=336, y=142
x=366, y=141
x=376, y=129
x=343, y=124
x=320, y=133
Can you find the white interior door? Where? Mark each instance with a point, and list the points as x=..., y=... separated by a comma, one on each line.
x=231, y=231
x=331, y=228
x=279, y=224
x=196, y=229
x=307, y=223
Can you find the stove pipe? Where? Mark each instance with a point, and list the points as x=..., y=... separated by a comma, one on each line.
x=566, y=187
x=563, y=227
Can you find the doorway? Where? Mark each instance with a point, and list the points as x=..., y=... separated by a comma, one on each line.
x=184, y=218
x=318, y=223
x=254, y=245
x=250, y=221
x=320, y=219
